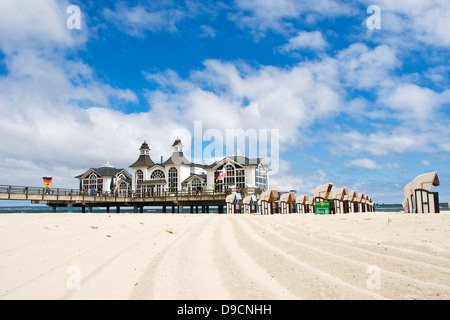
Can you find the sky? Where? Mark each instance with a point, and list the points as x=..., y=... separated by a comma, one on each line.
x=335, y=91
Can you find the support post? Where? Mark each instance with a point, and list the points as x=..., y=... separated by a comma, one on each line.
x=70, y=208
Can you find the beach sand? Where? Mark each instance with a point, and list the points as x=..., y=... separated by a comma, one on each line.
x=200, y=256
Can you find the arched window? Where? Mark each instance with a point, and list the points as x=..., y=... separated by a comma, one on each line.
x=123, y=189
x=196, y=183
x=173, y=179
x=230, y=179
x=93, y=181
x=235, y=176
x=157, y=175
x=139, y=180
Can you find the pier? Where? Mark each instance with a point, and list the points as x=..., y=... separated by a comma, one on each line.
x=169, y=201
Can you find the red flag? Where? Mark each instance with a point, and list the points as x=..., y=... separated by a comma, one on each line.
x=222, y=174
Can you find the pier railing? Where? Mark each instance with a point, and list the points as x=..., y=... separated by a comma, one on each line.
x=32, y=192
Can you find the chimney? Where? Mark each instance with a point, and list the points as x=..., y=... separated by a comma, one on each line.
x=162, y=159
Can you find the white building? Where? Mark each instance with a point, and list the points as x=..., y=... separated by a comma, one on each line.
x=241, y=172
x=105, y=179
x=178, y=173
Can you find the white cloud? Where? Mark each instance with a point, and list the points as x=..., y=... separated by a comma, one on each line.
x=423, y=21
x=261, y=16
x=139, y=19
x=276, y=98
x=413, y=101
x=365, y=163
x=29, y=24
x=305, y=41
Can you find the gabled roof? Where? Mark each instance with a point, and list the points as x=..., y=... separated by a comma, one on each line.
x=193, y=176
x=239, y=159
x=104, y=172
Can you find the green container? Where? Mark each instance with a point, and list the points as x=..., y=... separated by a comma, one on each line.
x=322, y=207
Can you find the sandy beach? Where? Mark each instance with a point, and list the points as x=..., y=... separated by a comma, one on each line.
x=200, y=256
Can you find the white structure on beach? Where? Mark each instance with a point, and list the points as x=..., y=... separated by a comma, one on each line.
x=104, y=179
x=418, y=198
x=322, y=192
x=179, y=174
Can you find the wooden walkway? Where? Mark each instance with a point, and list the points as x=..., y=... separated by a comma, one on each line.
x=74, y=198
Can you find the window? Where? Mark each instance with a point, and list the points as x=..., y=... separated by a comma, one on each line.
x=93, y=181
x=123, y=189
x=196, y=183
x=260, y=178
x=240, y=178
x=235, y=177
x=173, y=179
x=157, y=175
x=139, y=180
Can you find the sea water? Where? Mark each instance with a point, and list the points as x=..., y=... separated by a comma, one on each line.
x=45, y=209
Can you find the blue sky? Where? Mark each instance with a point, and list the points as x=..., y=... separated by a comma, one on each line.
x=365, y=109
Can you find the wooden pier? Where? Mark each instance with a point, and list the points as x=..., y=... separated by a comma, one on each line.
x=174, y=201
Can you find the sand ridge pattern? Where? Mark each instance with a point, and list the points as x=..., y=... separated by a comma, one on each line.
x=201, y=256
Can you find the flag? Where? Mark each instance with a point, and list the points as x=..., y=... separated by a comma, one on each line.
x=47, y=181
x=222, y=174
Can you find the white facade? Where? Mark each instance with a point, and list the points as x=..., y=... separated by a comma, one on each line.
x=175, y=173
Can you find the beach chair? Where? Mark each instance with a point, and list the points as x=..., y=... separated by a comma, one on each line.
x=338, y=200
x=361, y=202
x=349, y=201
x=370, y=205
x=266, y=201
x=300, y=202
x=366, y=204
x=249, y=204
x=233, y=202
x=323, y=192
x=353, y=201
x=424, y=200
x=286, y=201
